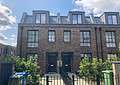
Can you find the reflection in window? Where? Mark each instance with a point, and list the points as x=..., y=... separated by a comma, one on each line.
x=85, y=38
x=87, y=55
x=32, y=39
x=110, y=39
x=111, y=56
x=67, y=36
x=37, y=18
x=51, y=36
x=41, y=18
x=112, y=19
x=32, y=56
x=77, y=19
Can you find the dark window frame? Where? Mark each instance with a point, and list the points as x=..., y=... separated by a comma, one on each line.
x=41, y=18
x=109, y=39
x=54, y=36
x=34, y=38
x=90, y=58
x=84, y=38
x=76, y=18
x=112, y=54
x=64, y=36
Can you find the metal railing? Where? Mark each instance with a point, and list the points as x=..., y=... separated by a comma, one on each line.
x=72, y=79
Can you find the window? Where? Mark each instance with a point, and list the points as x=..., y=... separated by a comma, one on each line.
x=87, y=55
x=32, y=56
x=37, y=18
x=51, y=35
x=67, y=36
x=112, y=19
x=32, y=39
x=41, y=18
x=77, y=19
x=110, y=39
x=111, y=56
x=85, y=38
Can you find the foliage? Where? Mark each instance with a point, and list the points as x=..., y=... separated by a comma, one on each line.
x=28, y=66
x=23, y=65
x=95, y=67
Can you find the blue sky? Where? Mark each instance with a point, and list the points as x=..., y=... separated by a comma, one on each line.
x=20, y=6
x=11, y=12
x=9, y=36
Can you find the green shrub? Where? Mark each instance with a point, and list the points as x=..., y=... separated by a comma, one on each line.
x=23, y=65
x=93, y=68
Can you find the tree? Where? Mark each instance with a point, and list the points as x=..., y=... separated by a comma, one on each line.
x=92, y=68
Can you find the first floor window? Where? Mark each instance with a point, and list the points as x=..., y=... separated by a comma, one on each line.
x=111, y=56
x=85, y=38
x=67, y=36
x=110, y=39
x=32, y=38
x=32, y=56
x=51, y=35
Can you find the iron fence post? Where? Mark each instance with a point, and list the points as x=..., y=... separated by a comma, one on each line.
x=73, y=79
x=47, y=80
x=98, y=80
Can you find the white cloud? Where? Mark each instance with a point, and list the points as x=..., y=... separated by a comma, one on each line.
x=3, y=37
x=7, y=21
x=99, y=6
x=6, y=17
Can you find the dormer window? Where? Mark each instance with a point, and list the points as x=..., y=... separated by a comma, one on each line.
x=112, y=19
x=41, y=18
x=76, y=19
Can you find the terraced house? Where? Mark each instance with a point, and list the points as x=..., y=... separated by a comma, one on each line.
x=60, y=42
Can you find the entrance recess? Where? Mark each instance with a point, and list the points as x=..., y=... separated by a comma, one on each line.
x=67, y=61
x=52, y=62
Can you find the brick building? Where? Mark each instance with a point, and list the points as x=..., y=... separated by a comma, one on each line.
x=62, y=41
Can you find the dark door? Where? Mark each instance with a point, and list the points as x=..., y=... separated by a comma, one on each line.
x=67, y=61
x=52, y=62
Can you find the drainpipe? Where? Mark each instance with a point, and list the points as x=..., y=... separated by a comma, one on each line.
x=101, y=43
x=96, y=42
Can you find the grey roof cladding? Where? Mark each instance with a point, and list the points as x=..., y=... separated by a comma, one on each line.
x=68, y=18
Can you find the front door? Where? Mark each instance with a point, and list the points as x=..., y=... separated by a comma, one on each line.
x=52, y=62
x=67, y=61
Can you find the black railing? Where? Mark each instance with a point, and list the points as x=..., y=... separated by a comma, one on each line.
x=72, y=79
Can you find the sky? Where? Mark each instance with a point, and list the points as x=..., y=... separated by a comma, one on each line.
x=11, y=12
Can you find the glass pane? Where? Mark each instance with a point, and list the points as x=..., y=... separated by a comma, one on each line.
x=37, y=18
x=32, y=38
x=110, y=39
x=43, y=18
x=85, y=38
x=114, y=19
x=110, y=19
x=51, y=36
x=111, y=56
x=79, y=19
x=74, y=19
x=66, y=36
